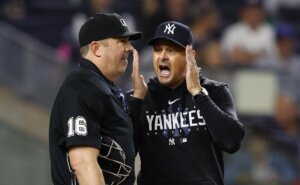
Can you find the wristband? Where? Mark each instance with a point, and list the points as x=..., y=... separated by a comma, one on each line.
x=202, y=93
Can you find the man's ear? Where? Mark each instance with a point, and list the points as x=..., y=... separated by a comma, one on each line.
x=96, y=48
x=194, y=52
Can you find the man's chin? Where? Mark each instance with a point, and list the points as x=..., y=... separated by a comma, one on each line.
x=169, y=82
x=164, y=81
x=122, y=70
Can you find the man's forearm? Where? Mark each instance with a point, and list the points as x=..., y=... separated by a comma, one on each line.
x=90, y=175
x=85, y=165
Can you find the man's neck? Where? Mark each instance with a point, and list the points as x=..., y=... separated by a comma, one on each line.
x=101, y=67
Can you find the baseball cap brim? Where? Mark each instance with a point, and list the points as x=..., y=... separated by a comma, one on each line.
x=152, y=41
x=131, y=35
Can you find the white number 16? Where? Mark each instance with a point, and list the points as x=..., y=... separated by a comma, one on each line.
x=79, y=126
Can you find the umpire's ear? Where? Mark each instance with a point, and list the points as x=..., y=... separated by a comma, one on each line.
x=95, y=48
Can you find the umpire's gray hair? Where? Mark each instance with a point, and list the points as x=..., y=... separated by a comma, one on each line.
x=85, y=49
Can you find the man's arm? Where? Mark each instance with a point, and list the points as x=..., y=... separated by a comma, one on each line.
x=135, y=99
x=226, y=130
x=84, y=163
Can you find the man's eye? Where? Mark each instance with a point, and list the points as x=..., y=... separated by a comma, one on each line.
x=157, y=50
x=123, y=40
x=170, y=50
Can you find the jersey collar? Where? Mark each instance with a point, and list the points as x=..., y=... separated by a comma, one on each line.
x=92, y=67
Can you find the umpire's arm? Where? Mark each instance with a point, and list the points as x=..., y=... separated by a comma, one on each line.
x=84, y=163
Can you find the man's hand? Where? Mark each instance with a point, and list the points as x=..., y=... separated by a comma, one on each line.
x=192, y=72
x=139, y=85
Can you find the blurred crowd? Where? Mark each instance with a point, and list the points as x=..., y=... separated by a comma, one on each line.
x=229, y=35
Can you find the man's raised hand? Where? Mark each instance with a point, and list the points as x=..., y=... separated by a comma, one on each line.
x=192, y=72
x=139, y=85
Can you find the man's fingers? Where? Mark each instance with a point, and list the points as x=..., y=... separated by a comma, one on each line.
x=135, y=64
x=190, y=57
x=131, y=48
x=143, y=80
x=192, y=66
x=191, y=53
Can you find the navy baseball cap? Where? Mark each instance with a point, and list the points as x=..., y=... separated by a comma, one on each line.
x=105, y=25
x=175, y=32
x=284, y=30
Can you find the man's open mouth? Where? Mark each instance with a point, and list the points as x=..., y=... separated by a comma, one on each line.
x=164, y=70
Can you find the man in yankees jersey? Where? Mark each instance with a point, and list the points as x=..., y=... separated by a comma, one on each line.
x=89, y=106
x=183, y=121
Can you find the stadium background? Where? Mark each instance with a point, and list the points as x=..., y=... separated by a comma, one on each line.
x=38, y=47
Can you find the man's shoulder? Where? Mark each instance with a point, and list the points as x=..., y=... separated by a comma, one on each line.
x=86, y=81
x=212, y=86
x=211, y=83
x=78, y=74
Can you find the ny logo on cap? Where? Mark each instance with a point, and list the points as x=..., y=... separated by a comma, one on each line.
x=170, y=28
x=123, y=22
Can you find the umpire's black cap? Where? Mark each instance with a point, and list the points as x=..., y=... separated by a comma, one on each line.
x=105, y=25
x=175, y=32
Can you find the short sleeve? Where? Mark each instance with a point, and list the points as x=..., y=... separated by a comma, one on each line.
x=81, y=115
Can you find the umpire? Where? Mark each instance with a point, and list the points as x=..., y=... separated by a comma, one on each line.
x=89, y=105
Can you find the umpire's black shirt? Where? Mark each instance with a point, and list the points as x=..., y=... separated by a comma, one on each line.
x=86, y=107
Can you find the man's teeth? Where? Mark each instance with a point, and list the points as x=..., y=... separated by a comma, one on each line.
x=165, y=72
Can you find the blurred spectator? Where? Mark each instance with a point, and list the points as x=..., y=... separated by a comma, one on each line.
x=151, y=16
x=68, y=48
x=259, y=164
x=86, y=9
x=13, y=10
x=286, y=62
x=154, y=12
x=204, y=23
x=41, y=19
x=287, y=127
x=250, y=38
x=176, y=10
x=273, y=6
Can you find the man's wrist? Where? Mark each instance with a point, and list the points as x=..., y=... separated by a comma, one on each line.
x=195, y=91
x=138, y=96
x=201, y=93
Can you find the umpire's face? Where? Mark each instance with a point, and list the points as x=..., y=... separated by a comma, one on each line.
x=169, y=63
x=114, y=54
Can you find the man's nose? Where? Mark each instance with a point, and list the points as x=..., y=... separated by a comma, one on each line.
x=128, y=46
x=163, y=55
